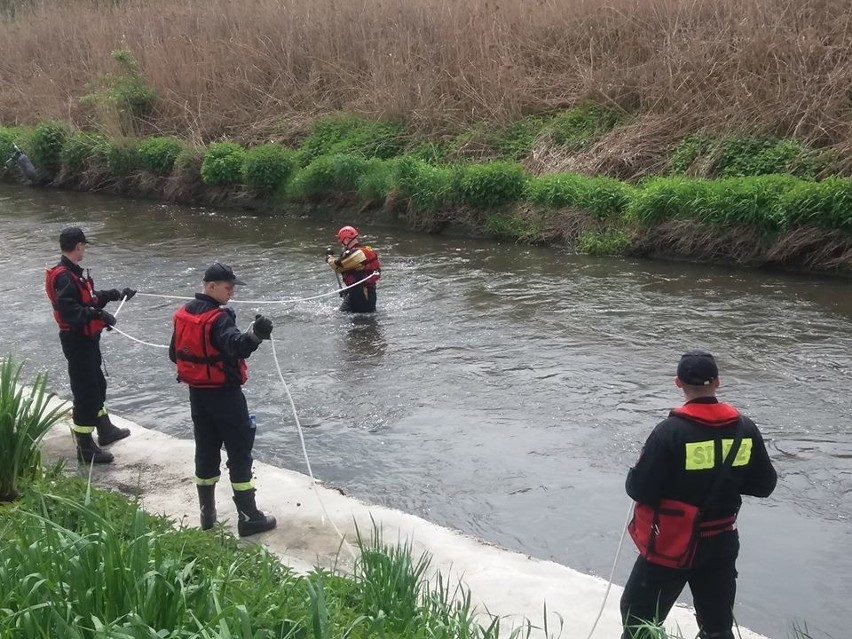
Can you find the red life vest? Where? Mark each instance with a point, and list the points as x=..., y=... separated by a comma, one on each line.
x=85, y=286
x=371, y=270
x=199, y=363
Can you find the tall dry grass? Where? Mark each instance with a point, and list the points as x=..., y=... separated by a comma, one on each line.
x=250, y=69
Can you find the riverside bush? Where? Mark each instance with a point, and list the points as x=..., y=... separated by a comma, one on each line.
x=601, y=196
x=377, y=179
x=577, y=128
x=347, y=134
x=46, y=144
x=489, y=185
x=826, y=204
x=609, y=242
x=8, y=139
x=158, y=154
x=267, y=167
x=427, y=187
x=660, y=199
x=327, y=175
x=223, y=164
x=84, y=150
x=744, y=156
x=125, y=93
x=122, y=157
x=751, y=201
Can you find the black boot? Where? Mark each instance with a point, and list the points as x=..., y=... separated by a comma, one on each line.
x=108, y=432
x=250, y=520
x=207, y=501
x=88, y=451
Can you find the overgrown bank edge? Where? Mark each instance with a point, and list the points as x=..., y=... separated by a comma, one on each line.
x=767, y=205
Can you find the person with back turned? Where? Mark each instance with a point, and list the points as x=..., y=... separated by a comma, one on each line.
x=687, y=485
x=357, y=264
x=79, y=311
x=210, y=353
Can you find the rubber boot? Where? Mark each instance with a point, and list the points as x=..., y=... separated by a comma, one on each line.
x=250, y=520
x=109, y=433
x=89, y=452
x=207, y=501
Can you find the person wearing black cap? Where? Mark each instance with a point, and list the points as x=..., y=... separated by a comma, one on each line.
x=79, y=311
x=687, y=485
x=210, y=352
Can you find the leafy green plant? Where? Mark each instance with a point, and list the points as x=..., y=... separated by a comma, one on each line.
x=125, y=93
x=267, y=167
x=84, y=150
x=158, y=154
x=603, y=197
x=492, y=184
x=346, y=134
x=25, y=418
x=122, y=157
x=826, y=204
x=608, y=242
x=46, y=144
x=427, y=187
x=377, y=180
x=660, y=199
x=577, y=128
x=326, y=176
x=223, y=163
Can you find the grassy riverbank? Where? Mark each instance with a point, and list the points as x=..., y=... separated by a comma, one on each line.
x=701, y=130
x=82, y=562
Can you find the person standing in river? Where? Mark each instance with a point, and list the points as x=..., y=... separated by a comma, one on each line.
x=79, y=311
x=210, y=353
x=357, y=264
x=687, y=484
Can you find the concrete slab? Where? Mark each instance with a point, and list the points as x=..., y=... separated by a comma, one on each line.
x=312, y=519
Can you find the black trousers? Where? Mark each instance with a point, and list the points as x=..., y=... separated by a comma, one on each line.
x=88, y=385
x=360, y=299
x=651, y=592
x=220, y=417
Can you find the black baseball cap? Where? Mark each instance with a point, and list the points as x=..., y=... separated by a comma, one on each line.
x=697, y=368
x=219, y=272
x=71, y=237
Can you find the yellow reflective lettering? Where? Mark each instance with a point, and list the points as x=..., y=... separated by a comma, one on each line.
x=700, y=455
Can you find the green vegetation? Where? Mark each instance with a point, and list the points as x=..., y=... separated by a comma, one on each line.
x=80, y=562
x=223, y=164
x=24, y=420
x=122, y=97
x=766, y=186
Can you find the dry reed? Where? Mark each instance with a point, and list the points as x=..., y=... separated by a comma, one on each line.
x=253, y=69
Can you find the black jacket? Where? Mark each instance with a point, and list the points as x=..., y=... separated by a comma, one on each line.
x=224, y=335
x=678, y=462
x=69, y=303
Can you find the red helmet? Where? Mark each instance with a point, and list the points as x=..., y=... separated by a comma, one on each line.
x=347, y=233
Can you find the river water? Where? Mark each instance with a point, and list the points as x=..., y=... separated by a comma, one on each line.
x=500, y=390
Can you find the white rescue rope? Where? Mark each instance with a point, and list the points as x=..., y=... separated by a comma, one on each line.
x=118, y=330
x=305, y=453
x=612, y=572
x=284, y=301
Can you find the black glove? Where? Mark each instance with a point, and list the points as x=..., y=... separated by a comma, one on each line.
x=106, y=317
x=128, y=292
x=344, y=293
x=112, y=295
x=329, y=252
x=262, y=327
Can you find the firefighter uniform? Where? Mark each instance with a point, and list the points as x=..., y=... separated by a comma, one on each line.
x=79, y=312
x=357, y=264
x=210, y=353
x=680, y=461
